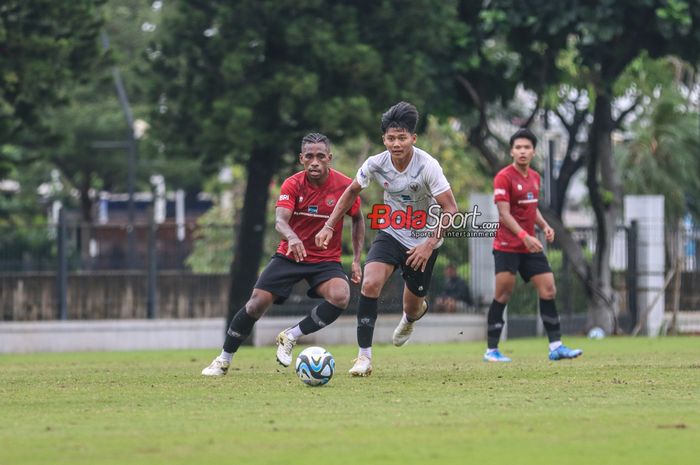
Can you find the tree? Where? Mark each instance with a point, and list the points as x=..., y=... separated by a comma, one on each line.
x=45, y=45
x=605, y=38
x=247, y=80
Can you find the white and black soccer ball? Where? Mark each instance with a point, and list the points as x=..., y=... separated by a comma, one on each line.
x=315, y=366
x=596, y=333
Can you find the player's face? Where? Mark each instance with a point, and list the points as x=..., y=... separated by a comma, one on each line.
x=399, y=142
x=316, y=160
x=522, y=152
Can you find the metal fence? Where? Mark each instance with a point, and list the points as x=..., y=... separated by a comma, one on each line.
x=79, y=271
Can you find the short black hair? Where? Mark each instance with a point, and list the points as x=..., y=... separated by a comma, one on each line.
x=524, y=133
x=315, y=138
x=403, y=115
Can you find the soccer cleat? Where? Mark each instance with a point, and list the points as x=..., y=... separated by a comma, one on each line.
x=362, y=366
x=495, y=356
x=285, y=344
x=218, y=367
x=403, y=331
x=563, y=352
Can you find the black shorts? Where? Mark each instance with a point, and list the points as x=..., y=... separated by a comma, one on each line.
x=386, y=249
x=528, y=264
x=281, y=274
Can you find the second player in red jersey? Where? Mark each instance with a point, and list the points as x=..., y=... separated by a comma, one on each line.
x=521, y=192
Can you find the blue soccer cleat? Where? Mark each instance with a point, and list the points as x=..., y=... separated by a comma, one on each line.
x=495, y=356
x=563, y=352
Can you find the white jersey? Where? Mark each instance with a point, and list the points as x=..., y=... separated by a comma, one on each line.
x=416, y=186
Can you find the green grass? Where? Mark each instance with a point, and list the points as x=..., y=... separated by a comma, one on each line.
x=626, y=400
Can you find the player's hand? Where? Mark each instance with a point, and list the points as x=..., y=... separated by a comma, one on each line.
x=418, y=256
x=356, y=272
x=323, y=237
x=533, y=244
x=296, y=249
x=549, y=233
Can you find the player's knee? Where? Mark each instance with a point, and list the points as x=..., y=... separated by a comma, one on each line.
x=548, y=292
x=371, y=288
x=503, y=295
x=339, y=298
x=255, y=307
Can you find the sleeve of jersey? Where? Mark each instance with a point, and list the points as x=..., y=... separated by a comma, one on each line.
x=364, y=174
x=288, y=195
x=355, y=207
x=437, y=182
x=500, y=189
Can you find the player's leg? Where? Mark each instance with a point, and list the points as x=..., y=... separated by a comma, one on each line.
x=546, y=290
x=333, y=287
x=504, y=285
x=240, y=328
x=375, y=275
x=416, y=286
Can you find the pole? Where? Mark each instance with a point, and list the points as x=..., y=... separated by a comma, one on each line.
x=62, y=271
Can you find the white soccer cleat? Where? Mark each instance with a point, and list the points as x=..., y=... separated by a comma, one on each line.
x=403, y=331
x=218, y=367
x=362, y=366
x=285, y=344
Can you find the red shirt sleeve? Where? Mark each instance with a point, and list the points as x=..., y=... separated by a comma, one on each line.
x=501, y=189
x=355, y=207
x=288, y=194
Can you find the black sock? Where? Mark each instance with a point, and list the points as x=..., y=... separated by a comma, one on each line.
x=366, y=317
x=321, y=315
x=495, y=323
x=550, y=319
x=240, y=328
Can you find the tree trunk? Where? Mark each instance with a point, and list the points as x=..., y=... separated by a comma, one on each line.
x=606, y=196
x=251, y=231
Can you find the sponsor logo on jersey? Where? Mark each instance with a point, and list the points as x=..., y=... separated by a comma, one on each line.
x=498, y=192
x=313, y=209
x=530, y=196
x=405, y=198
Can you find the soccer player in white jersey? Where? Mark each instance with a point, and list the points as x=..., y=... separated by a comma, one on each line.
x=413, y=181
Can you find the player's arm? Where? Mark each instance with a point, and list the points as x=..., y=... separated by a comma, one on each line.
x=419, y=255
x=358, y=242
x=507, y=220
x=544, y=226
x=294, y=245
x=344, y=203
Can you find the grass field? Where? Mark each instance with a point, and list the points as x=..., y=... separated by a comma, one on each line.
x=626, y=401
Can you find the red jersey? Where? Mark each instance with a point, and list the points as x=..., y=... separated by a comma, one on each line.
x=521, y=192
x=311, y=207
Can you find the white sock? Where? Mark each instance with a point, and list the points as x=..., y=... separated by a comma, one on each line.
x=295, y=332
x=367, y=352
x=226, y=356
x=554, y=345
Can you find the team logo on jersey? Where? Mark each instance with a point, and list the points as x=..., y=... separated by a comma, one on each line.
x=301, y=198
x=330, y=201
x=313, y=209
x=414, y=186
x=520, y=187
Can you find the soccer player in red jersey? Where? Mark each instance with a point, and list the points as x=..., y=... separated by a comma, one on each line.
x=516, y=249
x=305, y=203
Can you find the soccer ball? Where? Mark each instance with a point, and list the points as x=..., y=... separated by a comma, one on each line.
x=596, y=333
x=315, y=366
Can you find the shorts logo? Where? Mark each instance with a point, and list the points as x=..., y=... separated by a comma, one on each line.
x=313, y=209
x=420, y=288
x=284, y=197
x=330, y=201
x=414, y=186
